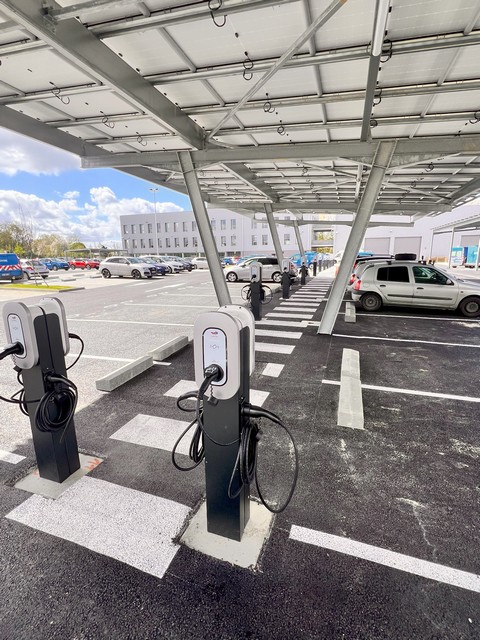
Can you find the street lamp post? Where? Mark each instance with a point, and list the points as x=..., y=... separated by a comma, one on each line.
x=154, y=192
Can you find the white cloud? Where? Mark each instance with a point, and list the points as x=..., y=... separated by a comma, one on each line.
x=71, y=194
x=94, y=222
x=19, y=153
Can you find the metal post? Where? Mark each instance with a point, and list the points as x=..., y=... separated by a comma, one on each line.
x=450, y=248
x=256, y=298
x=299, y=239
x=380, y=165
x=274, y=232
x=204, y=228
x=285, y=285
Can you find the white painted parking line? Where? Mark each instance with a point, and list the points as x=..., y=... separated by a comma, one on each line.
x=274, y=348
x=445, y=344
x=294, y=303
x=389, y=315
x=267, y=333
x=162, y=305
x=12, y=458
x=411, y=392
x=285, y=314
x=139, y=284
x=168, y=286
x=128, y=525
x=155, y=432
x=300, y=324
x=387, y=558
x=273, y=370
x=160, y=324
x=184, y=386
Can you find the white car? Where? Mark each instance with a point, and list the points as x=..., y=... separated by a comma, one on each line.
x=410, y=284
x=270, y=270
x=122, y=266
x=173, y=264
x=200, y=262
x=34, y=268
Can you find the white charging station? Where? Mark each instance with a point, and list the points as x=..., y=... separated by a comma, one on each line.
x=245, y=316
x=256, y=271
x=285, y=264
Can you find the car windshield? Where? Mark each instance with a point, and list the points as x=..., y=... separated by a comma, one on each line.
x=148, y=260
x=135, y=260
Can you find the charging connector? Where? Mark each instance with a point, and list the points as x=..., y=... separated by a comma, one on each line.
x=16, y=348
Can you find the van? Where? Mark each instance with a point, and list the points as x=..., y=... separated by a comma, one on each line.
x=10, y=267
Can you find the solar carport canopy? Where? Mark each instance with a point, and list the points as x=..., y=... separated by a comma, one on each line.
x=309, y=106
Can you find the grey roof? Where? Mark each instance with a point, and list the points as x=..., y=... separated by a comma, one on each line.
x=284, y=103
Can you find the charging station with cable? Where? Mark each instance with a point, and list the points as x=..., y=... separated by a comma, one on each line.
x=256, y=293
x=303, y=272
x=40, y=340
x=286, y=279
x=227, y=432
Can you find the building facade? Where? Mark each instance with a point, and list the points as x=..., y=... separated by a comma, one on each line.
x=176, y=233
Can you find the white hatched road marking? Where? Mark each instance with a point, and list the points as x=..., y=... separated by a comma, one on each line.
x=387, y=558
x=155, y=432
x=274, y=348
x=184, y=386
x=273, y=370
x=285, y=314
x=299, y=324
x=12, y=458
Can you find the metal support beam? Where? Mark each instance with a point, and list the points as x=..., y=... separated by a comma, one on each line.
x=249, y=177
x=204, y=228
x=451, y=247
x=471, y=188
x=274, y=232
x=381, y=163
x=324, y=17
x=299, y=239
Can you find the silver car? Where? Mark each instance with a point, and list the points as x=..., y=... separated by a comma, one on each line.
x=122, y=266
x=34, y=269
x=410, y=284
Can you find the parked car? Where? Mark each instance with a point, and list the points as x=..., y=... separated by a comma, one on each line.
x=175, y=261
x=84, y=263
x=200, y=262
x=122, y=266
x=171, y=267
x=54, y=264
x=360, y=264
x=406, y=283
x=270, y=270
x=160, y=267
x=227, y=261
x=189, y=266
x=10, y=267
x=34, y=268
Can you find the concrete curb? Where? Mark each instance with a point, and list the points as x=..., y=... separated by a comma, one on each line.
x=120, y=376
x=350, y=312
x=169, y=348
x=350, y=403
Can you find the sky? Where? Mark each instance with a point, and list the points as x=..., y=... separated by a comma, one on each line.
x=45, y=187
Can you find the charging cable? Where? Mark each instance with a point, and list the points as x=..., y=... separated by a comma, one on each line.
x=15, y=348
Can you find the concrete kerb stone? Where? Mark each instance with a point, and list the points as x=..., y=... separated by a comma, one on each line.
x=350, y=403
x=124, y=374
x=167, y=349
x=350, y=312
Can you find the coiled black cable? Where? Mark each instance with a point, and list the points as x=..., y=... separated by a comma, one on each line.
x=57, y=406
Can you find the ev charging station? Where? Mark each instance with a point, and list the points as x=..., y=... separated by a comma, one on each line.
x=303, y=272
x=256, y=289
x=40, y=341
x=225, y=339
x=285, y=278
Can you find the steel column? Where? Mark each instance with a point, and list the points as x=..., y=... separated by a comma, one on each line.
x=450, y=248
x=381, y=163
x=477, y=263
x=299, y=239
x=274, y=232
x=204, y=228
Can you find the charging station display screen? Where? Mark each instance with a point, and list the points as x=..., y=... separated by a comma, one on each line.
x=215, y=351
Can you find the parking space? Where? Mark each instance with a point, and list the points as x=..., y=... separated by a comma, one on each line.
x=383, y=521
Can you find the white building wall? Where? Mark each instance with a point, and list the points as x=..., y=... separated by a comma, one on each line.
x=176, y=233
x=422, y=228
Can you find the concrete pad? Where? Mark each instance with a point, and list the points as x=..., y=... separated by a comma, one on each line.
x=350, y=312
x=350, y=402
x=168, y=348
x=122, y=375
x=243, y=554
x=50, y=489
x=67, y=279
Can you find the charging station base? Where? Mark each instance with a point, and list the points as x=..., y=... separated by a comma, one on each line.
x=33, y=483
x=243, y=554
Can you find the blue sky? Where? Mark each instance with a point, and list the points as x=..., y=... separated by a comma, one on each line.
x=45, y=187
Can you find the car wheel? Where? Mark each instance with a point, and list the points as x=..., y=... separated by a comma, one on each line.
x=28, y=275
x=72, y=266
x=169, y=270
x=277, y=276
x=232, y=277
x=106, y=273
x=88, y=266
x=371, y=301
x=54, y=267
x=470, y=307
x=136, y=274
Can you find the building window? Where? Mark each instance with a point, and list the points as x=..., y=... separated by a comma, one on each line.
x=254, y=224
x=233, y=224
x=141, y=228
x=254, y=240
x=213, y=224
x=223, y=241
x=134, y=228
x=194, y=226
x=167, y=227
x=177, y=242
x=223, y=225
x=286, y=238
x=159, y=243
x=167, y=243
x=150, y=243
x=195, y=242
x=149, y=227
x=264, y=225
x=185, y=226
x=142, y=243
x=134, y=243
x=185, y=242
x=125, y=244
x=175, y=227
x=125, y=228
x=233, y=241
x=264, y=240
